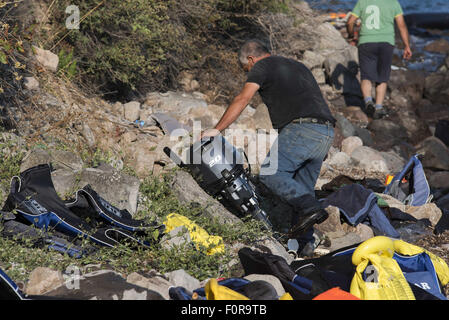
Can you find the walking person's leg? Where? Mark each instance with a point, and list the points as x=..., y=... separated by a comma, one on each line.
x=383, y=76
x=368, y=61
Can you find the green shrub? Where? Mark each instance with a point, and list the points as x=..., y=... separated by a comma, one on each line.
x=142, y=45
x=67, y=65
x=12, y=65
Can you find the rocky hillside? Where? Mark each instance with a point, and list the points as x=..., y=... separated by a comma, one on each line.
x=89, y=139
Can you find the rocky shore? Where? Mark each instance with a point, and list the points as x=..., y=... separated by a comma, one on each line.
x=62, y=125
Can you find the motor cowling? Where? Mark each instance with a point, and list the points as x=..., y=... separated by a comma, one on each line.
x=218, y=168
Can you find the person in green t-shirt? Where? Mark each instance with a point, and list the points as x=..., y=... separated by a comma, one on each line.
x=376, y=43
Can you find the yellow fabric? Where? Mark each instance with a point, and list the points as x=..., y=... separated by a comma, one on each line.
x=382, y=246
x=439, y=264
x=214, y=291
x=213, y=244
x=390, y=285
x=286, y=296
x=385, y=280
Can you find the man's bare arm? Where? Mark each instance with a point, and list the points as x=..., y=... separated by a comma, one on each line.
x=404, y=36
x=237, y=106
x=350, y=25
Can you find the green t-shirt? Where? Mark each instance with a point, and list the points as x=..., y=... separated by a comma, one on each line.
x=377, y=18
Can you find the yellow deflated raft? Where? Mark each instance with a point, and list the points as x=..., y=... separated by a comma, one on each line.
x=213, y=244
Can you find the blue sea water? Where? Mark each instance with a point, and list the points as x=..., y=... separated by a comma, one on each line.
x=409, y=6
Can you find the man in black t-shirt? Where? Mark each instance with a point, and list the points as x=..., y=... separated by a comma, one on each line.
x=299, y=112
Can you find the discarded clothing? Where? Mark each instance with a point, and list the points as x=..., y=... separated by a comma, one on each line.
x=358, y=205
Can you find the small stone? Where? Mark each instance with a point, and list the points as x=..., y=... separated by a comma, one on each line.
x=43, y=280
x=46, y=59
x=31, y=83
x=132, y=111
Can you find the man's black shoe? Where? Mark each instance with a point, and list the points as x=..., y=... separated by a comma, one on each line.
x=370, y=109
x=379, y=113
x=305, y=223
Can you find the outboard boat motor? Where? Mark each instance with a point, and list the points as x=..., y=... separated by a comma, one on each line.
x=217, y=166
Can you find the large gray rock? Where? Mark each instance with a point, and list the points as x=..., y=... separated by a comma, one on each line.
x=438, y=46
x=436, y=87
x=154, y=282
x=59, y=159
x=274, y=281
x=330, y=39
x=262, y=118
x=65, y=182
x=362, y=230
x=387, y=129
x=312, y=59
x=87, y=134
x=340, y=160
x=103, y=285
x=427, y=211
x=331, y=224
x=273, y=246
x=439, y=179
x=180, y=278
x=432, y=112
x=365, y=135
x=407, y=86
x=436, y=154
x=369, y=159
x=176, y=104
x=188, y=191
x=416, y=128
x=115, y=187
x=394, y=162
